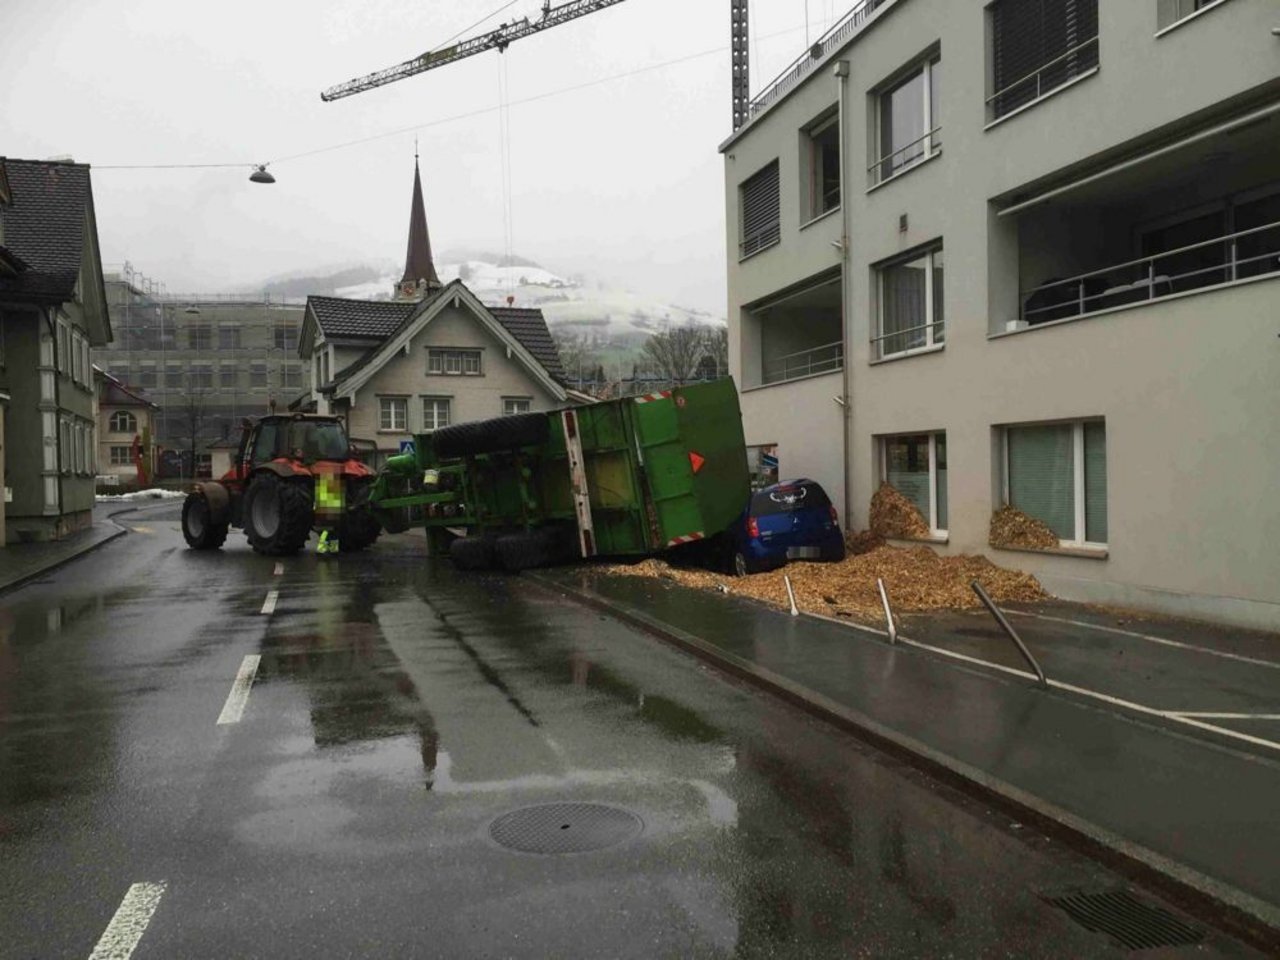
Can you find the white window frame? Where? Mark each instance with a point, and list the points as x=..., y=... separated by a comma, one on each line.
x=1176, y=19
x=931, y=342
x=64, y=445
x=509, y=405
x=114, y=428
x=470, y=360
x=1077, y=480
x=813, y=160
x=127, y=456
x=259, y=367
x=64, y=345
x=925, y=68
x=387, y=408
x=932, y=519
x=434, y=422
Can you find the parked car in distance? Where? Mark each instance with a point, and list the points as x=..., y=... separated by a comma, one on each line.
x=792, y=520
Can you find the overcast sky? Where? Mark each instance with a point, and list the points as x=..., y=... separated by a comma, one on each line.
x=620, y=179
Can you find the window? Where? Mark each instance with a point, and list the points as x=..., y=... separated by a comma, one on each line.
x=916, y=466
x=1037, y=46
x=291, y=375
x=257, y=375
x=264, y=442
x=173, y=376
x=227, y=376
x=199, y=336
x=1057, y=473
x=201, y=376
x=1169, y=12
x=121, y=456
x=435, y=413
x=64, y=446
x=77, y=357
x=908, y=129
x=64, y=346
x=454, y=362
x=393, y=414
x=760, y=211
x=122, y=421
x=822, y=145
x=911, y=313
x=286, y=336
x=228, y=337
x=513, y=405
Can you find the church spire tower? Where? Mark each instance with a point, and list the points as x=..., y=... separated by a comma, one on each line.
x=420, y=276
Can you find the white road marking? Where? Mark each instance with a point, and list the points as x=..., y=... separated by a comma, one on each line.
x=128, y=925
x=233, y=709
x=1177, y=716
x=1164, y=641
x=278, y=571
x=141, y=529
x=1228, y=716
x=269, y=604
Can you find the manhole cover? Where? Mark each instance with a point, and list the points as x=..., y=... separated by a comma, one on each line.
x=564, y=827
x=1127, y=920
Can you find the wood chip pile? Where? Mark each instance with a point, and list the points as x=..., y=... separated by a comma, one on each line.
x=1010, y=527
x=893, y=515
x=915, y=577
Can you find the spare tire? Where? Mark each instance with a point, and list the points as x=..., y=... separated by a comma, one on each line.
x=489, y=436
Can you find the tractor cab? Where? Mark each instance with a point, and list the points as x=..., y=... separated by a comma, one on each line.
x=303, y=439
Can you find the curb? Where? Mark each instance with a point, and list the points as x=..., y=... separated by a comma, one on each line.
x=1240, y=914
x=26, y=578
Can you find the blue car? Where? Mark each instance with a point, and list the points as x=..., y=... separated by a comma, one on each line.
x=792, y=520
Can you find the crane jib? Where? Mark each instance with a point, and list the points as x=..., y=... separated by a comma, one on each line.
x=500, y=39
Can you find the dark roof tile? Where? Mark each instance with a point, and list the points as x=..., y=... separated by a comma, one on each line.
x=368, y=319
x=528, y=326
x=45, y=227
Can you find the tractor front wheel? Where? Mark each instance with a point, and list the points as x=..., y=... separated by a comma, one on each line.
x=277, y=515
x=198, y=527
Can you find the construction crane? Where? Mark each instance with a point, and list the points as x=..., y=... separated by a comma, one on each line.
x=507, y=33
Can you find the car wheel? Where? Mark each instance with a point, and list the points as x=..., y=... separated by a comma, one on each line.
x=740, y=566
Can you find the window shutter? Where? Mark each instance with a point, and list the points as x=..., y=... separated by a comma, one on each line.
x=1095, y=482
x=1041, y=475
x=1027, y=35
x=760, y=211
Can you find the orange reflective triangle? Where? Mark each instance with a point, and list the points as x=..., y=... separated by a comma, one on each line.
x=696, y=460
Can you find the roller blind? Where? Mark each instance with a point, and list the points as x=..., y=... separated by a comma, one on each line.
x=760, y=215
x=1041, y=475
x=1095, y=482
x=1028, y=35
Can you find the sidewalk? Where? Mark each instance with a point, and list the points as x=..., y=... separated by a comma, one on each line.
x=1194, y=816
x=21, y=562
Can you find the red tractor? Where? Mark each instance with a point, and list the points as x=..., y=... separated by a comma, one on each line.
x=292, y=474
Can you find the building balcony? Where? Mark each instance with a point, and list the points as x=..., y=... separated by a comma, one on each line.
x=795, y=333
x=827, y=358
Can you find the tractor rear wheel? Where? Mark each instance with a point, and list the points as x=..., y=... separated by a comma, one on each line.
x=277, y=515
x=198, y=527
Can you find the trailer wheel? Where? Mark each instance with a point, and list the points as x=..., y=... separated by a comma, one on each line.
x=198, y=527
x=489, y=436
x=277, y=515
x=472, y=553
x=535, y=548
x=359, y=528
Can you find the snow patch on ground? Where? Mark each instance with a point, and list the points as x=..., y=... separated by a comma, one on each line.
x=154, y=493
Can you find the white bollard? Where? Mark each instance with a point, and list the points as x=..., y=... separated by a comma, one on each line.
x=791, y=595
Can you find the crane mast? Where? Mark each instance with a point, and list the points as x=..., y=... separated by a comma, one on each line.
x=498, y=39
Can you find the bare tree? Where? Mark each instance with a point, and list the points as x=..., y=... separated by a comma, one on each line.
x=717, y=349
x=576, y=354
x=193, y=416
x=674, y=354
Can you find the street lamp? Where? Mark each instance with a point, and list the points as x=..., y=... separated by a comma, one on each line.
x=260, y=175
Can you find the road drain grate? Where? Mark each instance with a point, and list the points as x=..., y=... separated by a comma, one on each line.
x=1126, y=919
x=564, y=827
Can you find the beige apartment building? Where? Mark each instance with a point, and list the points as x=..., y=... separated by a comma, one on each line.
x=1024, y=253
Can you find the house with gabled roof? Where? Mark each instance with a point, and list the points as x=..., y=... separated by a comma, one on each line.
x=432, y=356
x=126, y=428
x=52, y=312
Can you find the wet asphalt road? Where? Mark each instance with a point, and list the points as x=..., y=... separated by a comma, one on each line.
x=398, y=709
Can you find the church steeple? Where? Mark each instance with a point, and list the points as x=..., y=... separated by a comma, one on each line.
x=419, y=269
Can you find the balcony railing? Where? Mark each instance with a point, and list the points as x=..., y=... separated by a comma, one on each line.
x=891, y=164
x=834, y=38
x=895, y=343
x=827, y=358
x=1210, y=263
x=1048, y=76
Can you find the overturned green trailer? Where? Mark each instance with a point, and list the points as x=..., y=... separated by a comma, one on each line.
x=628, y=477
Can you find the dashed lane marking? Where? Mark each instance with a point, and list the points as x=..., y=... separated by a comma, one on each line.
x=233, y=709
x=269, y=604
x=278, y=571
x=130, y=922
x=142, y=530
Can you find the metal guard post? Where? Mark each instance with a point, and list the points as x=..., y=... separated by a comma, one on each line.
x=1008, y=628
x=888, y=614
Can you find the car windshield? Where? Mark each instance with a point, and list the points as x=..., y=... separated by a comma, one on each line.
x=318, y=440
x=787, y=498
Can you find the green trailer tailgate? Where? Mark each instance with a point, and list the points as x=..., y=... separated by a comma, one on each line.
x=694, y=459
